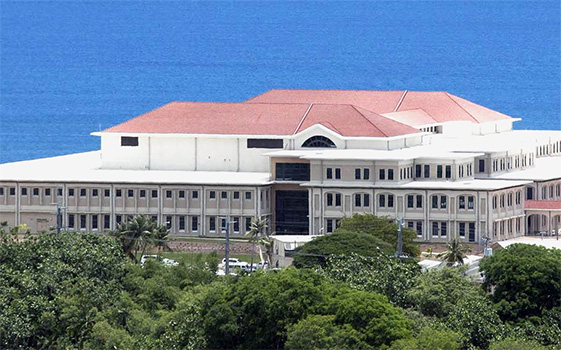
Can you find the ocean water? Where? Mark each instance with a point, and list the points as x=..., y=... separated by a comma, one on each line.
x=73, y=67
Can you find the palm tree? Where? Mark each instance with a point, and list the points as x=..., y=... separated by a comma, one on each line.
x=257, y=227
x=455, y=253
x=138, y=233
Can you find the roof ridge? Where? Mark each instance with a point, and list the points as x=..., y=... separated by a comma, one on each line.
x=368, y=120
x=303, y=118
x=462, y=108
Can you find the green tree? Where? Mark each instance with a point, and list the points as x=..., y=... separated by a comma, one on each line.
x=383, y=228
x=524, y=279
x=430, y=339
x=455, y=253
x=316, y=252
x=257, y=228
x=516, y=344
x=138, y=233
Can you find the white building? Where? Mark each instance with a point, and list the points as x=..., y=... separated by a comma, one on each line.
x=305, y=159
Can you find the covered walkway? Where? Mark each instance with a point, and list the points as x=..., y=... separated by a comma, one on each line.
x=543, y=217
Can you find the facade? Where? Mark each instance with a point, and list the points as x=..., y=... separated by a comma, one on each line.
x=305, y=159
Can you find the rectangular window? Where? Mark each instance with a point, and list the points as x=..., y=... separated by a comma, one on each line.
x=154, y=219
x=182, y=223
x=329, y=226
x=427, y=171
x=435, y=229
x=434, y=202
x=106, y=222
x=462, y=229
x=212, y=194
x=36, y=192
x=119, y=219
x=390, y=200
x=471, y=232
x=418, y=170
x=358, y=200
x=223, y=225
x=337, y=199
x=95, y=192
x=195, y=223
x=12, y=191
x=329, y=173
x=443, y=229
x=212, y=224
x=94, y=222
x=337, y=173
x=236, y=195
x=248, y=195
x=224, y=195
x=195, y=194
x=169, y=194
x=142, y=194
x=169, y=222
x=129, y=141
x=237, y=225
x=419, y=228
x=107, y=192
x=410, y=200
x=357, y=174
x=419, y=201
x=382, y=201
x=443, y=202
x=366, y=200
x=470, y=202
x=82, y=192
x=366, y=174
x=462, y=202
x=329, y=199
x=292, y=171
x=390, y=174
x=130, y=193
x=119, y=193
x=439, y=171
x=265, y=143
x=24, y=191
x=70, y=220
x=59, y=192
x=83, y=222
x=382, y=174
x=1, y=191
x=70, y=192
x=181, y=194
x=482, y=165
x=448, y=171
x=154, y=194
x=247, y=224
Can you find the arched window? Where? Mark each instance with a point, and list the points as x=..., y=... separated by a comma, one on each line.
x=318, y=141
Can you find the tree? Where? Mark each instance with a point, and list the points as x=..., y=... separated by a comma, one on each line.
x=383, y=228
x=516, y=344
x=257, y=228
x=430, y=339
x=316, y=252
x=138, y=233
x=525, y=280
x=455, y=253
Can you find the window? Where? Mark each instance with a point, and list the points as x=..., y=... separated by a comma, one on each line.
x=94, y=222
x=12, y=191
x=130, y=193
x=1, y=191
x=70, y=220
x=119, y=193
x=366, y=200
x=237, y=225
x=106, y=221
x=154, y=218
x=434, y=202
x=265, y=143
x=471, y=232
x=509, y=199
x=518, y=198
x=212, y=224
x=247, y=224
x=410, y=199
x=35, y=192
x=59, y=192
x=181, y=194
x=470, y=202
x=495, y=202
x=195, y=194
x=390, y=174
x=357, y=174
x=236, y=195
x=292, y=171
x=439, y=171
x=212, y=194
x=329, y=173
x=443, y=229
x=502, y=200
x=337, y=199
x=443, y=202
x=82, y=192
x=382, y=174
x=95, y=192
x=358, y=200
x=418, y=170
x=195, y=223
x=70, y=192
x=435, y=229
x=223, y=225
x=329, y=226
x=248, y=195
x=107, y=192
x=462, y=202
x=119, y=218
x=329, y=199
x=419, y=228
x=224, y=195
x=462, y=229
x=427, y=171
x=366, y=174
x=169, y=194
x=169, y=222
x=482, y=165
x=382, y=201
x=83, y=222
x=390, y=200
x=182, y=223
x=318, y=142
x=337, y=173
x=142, y=194
x=448, y=171
x=530, y=193
x=128, y=141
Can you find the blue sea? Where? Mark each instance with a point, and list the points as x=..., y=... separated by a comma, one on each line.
x=70, y=68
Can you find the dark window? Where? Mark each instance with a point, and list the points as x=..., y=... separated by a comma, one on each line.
x=434, y=202
x=357, y=174
x=82, y=221
x=236, y=195
x=530, y=193
x=471, y=237
x=82, y=192
x=443, y=229
x=382, y=201
x=182, y=223
x=329, y=173
x=70, y=192
x=462, y=229
x=439, y=171
x=418, y=170
x=247, y=224
x=382, y=174
x=212, y=223
x=142, y=194
x=119, y=193
x=24, y=191
x=248, y=195
x=95, y=192
x=462, y=202
x=130, y=193
x=318, y=142
x=337, y=173
x=329, y=199
x=427, y=170
x=154, y=193
x=448, y=171
x=264, y=143
x=107, y=193
x=59, y=192
x=237, y=225
x=337, y=199
x=390, y=200
x=70, y=220
x=1, y=191
x=35, y=191
x=358, y=200
x=106, y=221
x=410, y=200
x=366, y=174
x=195, y=223
x=154, y=218
x=94, y=222
x=169, y=222
x=195, y=194
x=212, y=194
x=329, y=225
x=181, y=194
x=293, y=171
x=119, y=218
x=366, y=200
x=12, y=191
x=224, y=195
x=471, y=199
x=419, y=228
x=443, y=202
x=482, y=165
x=419, y=201
x=435, y=229
x=169, y=194
x=129, y=141
x=390, y=174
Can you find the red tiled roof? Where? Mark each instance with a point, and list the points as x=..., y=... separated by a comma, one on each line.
x=439, y=105
x=260, y=119
x=543, y=205
x=413, y=117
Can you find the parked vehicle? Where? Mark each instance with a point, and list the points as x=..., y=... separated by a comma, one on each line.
x=234, y=263
x=165, y=261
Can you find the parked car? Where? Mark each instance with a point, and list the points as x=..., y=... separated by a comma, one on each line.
x=165, y=261
x=233, y=262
